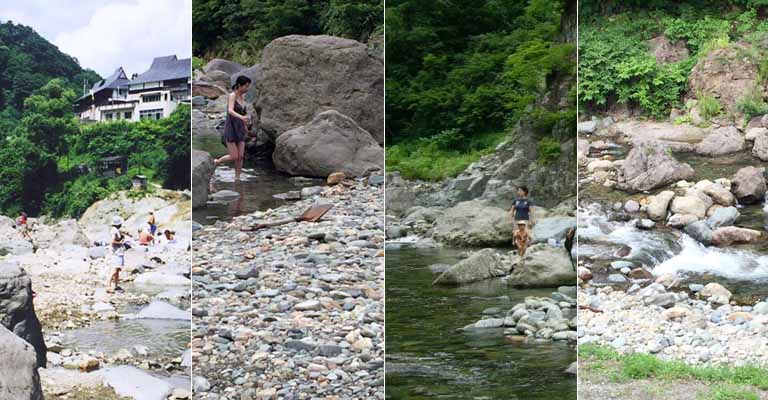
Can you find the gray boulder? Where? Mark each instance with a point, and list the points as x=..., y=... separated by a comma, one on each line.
x=481, y=265
x=19, y=379
x=17, y=311
x=721, y=141
x=474, y=224
x=400, y=197
x=331, y=142
x=202, y=169
x=650, y=165
x=218, y=64
x=543, y=266
x=700, y=231
x=552, y=228
x=760, y=149
x=723, y=216
x=302, y=76
x=749, y=185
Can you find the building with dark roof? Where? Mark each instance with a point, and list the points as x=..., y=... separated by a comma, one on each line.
x=153, y=94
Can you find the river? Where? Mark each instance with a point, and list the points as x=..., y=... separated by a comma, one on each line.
x=427, y=358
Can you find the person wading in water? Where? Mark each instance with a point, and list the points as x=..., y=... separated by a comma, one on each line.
x=236, y=125
x=521, y=217
x=117, y=240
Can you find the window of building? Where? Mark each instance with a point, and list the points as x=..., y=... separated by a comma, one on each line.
x=151, y=98
x=151, y=114
x=108, y=116
x=128, y=115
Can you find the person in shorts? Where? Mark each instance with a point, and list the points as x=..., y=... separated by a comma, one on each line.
x=117, y=244
x=521, y=218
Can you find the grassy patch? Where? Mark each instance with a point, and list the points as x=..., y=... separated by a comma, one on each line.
x=730, y=393
x=709, y=106
x=646, y=366
x=439, y=157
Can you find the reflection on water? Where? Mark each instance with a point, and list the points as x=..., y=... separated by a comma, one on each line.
x=427, y=358
x=260, y=181
x=161, y=337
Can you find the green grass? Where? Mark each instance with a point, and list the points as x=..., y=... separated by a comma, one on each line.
x=438, y=158
x=646, y=366
x=709, y=106
x=730, y=393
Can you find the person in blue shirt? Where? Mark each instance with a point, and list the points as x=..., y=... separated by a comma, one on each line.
x=521, y=216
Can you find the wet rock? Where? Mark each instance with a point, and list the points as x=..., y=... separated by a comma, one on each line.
x=721, y=141
x=649, y=166
x=725, y=216
x=749, y=185
x=481, y=265
x=202, y=168
x=543, y=266
x=225, y=195
x=136, y=384
x=701, y=231
x=729, y=235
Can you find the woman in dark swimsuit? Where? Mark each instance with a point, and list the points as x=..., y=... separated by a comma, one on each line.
x=235, y=126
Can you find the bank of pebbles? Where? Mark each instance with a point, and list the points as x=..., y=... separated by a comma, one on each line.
x=294, y=311
x=700, y=329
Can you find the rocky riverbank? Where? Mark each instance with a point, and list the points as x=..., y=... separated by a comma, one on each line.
x=296, y=309
x=86, y=334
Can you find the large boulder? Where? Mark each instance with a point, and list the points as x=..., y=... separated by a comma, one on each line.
x=209, y=90
x=760, y=148
x=650, y=165
x=202, y=169
x=474, y=224
x=19, y=379
x=304, y=75
x=749, y=185
x=543, y=266
x=254, y=73
x=724, y=140
x=17, y=311
x=481, y=265
x=66, y=232
x=331, y=142
x=689, y=205
x=400, y=197
x=726, y=74
x=729, y=235
x=552, y=228
x=723, y=216
x=218, y=64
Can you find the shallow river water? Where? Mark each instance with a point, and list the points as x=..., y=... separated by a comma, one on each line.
x=427, y=358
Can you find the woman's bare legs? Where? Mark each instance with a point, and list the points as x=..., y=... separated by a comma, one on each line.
x=239, y=161
x=232, y=156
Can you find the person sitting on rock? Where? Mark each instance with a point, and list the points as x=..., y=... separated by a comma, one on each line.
x=146, y=238
x=117, y=240
x=521, y=237
x=170, y=236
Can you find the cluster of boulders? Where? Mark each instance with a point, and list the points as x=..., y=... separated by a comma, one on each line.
x=542, y=318
x=316, y=103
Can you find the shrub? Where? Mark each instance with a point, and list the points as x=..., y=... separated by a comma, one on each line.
x=709, y=106
x=752, y=104
x=549, y=150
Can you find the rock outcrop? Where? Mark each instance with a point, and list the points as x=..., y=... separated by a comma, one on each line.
x=474, y=224
x=543, y=266
x=302, y=76
x=329, y=143
x=649, y=166
x=17, y=310
x=481, y=265
x=202, y=168
x=19, y=379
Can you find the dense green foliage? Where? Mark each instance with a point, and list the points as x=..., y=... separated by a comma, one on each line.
x=467, y=71
x=615, y=62
x=238, y=30
x=28, y=62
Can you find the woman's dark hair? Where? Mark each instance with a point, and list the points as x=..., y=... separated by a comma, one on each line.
x=241, y=81
x=524, y=189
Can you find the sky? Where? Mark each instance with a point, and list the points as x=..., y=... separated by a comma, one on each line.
x=106, y=34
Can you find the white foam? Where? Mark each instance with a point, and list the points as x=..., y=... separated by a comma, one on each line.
x=728, y=263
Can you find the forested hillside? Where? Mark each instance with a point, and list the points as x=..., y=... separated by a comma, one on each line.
x=618, y=40
x=238, y=30
x=43, y=147
x=460, y=75
x=28, y=62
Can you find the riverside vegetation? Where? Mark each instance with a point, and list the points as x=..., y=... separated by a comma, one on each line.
x=672, y=233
